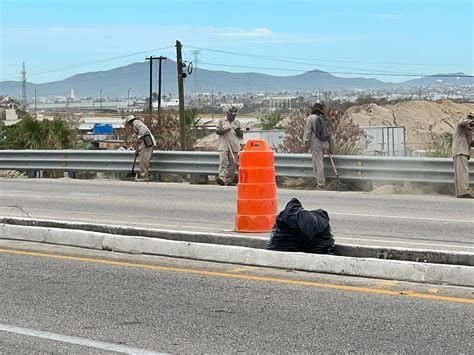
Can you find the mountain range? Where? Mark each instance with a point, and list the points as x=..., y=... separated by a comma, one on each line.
x=135, y=76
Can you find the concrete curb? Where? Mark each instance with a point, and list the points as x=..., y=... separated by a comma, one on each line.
x=344, y=265
x=252, y=241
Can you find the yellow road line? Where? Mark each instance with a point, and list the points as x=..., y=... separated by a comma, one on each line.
x=410, y=294
x=387, y=284
x=243, y=268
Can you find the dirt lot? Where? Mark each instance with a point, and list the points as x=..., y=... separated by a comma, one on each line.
x=419, y=118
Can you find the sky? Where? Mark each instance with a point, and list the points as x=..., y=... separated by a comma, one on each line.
x=387, y=40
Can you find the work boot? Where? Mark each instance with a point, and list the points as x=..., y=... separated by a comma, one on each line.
x=143, y=178
x=220, y=181
x=319, y=187
x=465, y=196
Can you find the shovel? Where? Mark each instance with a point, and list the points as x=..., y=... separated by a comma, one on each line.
x=132, y=173
x=340, y=186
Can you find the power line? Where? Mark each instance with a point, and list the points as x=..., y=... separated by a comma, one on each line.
x=369, y=71
x=15, y=85
x=304, y=63
x=330, y=60
x=72, y=66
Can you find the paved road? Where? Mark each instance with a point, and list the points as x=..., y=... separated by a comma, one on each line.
x=429, y=222
x=78, y=301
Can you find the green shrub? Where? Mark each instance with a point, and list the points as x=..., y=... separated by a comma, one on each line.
x=29, y=133
x=271, y=120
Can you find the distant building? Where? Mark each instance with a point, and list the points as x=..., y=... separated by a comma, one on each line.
x=169, y=103
x=227, y=106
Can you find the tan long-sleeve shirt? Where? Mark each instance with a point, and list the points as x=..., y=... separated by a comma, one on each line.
x=462, y=138
x=228, y=139
x=139, y=130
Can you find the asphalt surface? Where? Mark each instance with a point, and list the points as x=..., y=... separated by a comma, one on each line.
x=409, y=221
x=184, y=306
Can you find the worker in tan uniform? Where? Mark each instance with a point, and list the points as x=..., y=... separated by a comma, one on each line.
x=317, y=134
x=145, y=143
x=230, y=133
x=462, y=143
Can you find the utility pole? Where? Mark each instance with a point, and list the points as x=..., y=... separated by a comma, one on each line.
x=150, y=106
x=128, y=99
x=35, y=106
x=23, y=85
x=212, y=103
x=100, y=99
x=160, y=58
x=179, y=63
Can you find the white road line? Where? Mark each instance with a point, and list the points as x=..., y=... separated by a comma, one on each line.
x=341, y=214
x=403, y=217
x=418, y=243
x=74, y=340
x=106, y=220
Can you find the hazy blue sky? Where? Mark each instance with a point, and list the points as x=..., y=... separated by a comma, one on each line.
x=336, y=36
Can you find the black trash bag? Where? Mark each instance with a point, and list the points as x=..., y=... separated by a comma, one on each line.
x=297, y=229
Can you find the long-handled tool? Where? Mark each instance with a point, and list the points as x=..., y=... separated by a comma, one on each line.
x=132, y=173
x=340, y=186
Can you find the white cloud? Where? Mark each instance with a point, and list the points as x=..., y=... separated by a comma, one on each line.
x=237, y=32
x=389, y=17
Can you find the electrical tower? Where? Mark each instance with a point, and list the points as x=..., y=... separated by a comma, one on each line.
x=195, y=53
x=23, y=85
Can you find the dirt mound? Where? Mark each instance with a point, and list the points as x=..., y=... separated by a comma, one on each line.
x=207, y=144
x=371, y=115
x=420, y=118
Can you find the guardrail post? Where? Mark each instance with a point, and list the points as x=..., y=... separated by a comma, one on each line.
x=155, y=176
x=32, y=174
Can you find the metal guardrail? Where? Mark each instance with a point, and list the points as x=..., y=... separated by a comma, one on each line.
x=350, y=167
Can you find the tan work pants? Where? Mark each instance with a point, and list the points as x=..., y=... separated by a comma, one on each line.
x=317, y=150
x=461, y=175
x=145, y=158
x=227, y=165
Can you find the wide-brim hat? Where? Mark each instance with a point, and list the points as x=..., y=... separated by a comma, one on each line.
x=130, y=118
x=232, y=110
x=317, y=107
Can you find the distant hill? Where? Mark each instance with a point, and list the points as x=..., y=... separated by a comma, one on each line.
x=116, y=82
x=451, y=78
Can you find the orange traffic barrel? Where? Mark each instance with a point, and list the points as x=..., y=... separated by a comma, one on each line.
x=256, y=191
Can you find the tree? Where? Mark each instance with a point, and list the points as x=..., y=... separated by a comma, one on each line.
x=348, y=137
x=271, y=120
x=164, y=128
x=293, y=142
